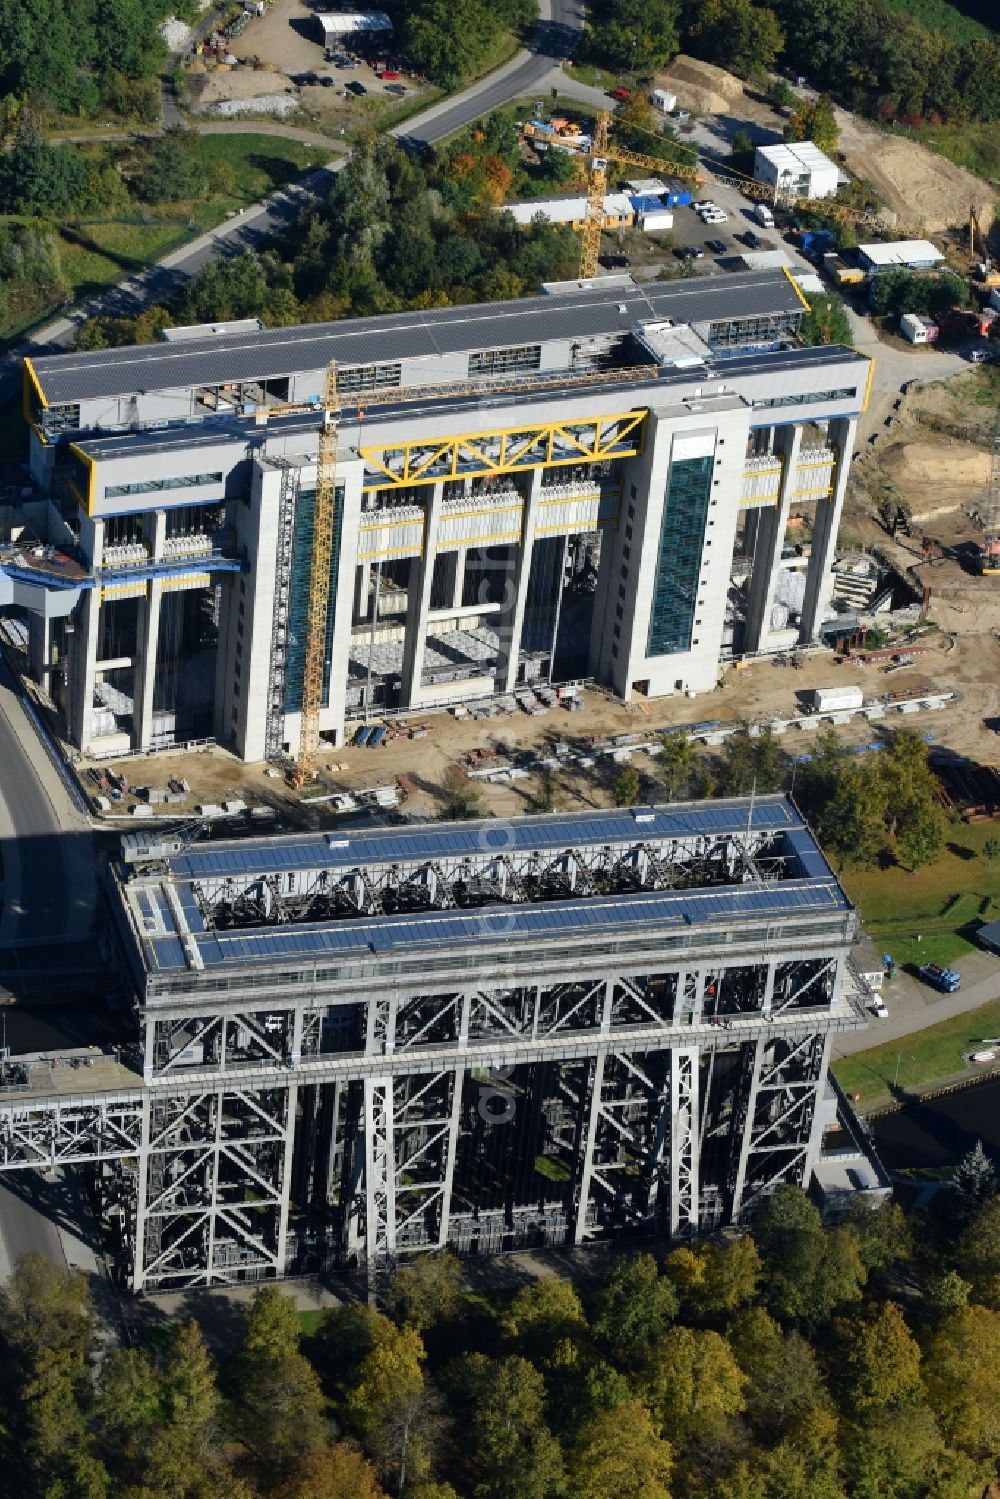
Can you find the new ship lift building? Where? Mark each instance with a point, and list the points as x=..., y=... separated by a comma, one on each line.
x=592, y=483
x=359, y=1046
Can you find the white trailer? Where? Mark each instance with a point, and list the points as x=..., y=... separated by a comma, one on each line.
x=836, y=699
x=663, y=100
x=762, y=213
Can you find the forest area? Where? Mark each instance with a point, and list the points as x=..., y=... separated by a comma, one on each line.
x=905, y=60
x=396, y=232
x=798, y=1361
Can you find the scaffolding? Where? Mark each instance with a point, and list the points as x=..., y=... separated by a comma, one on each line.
x=274, y=732
x=319, y=572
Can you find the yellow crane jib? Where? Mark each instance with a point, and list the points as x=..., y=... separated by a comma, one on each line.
x=319, y=569
x=601, y=153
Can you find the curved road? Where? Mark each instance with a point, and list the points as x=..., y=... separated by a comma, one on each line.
x=552, y=42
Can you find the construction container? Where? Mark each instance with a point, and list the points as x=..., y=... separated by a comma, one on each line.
x=663, y=100
x=919, y=330
x=836, y=699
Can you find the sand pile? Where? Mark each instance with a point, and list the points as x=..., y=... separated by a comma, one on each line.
x=209, y=90
x=700, y=85
x=926, y=191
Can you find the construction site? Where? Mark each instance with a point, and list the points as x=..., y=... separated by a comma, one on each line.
x=488, y=1036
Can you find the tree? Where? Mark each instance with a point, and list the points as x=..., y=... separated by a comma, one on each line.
x=337, y=1472
x=676, y=764
x=281, y=1402
x=514, y=1453
x=913, y=815
x=541, y=1316
x=460, y=797
x=174, y=169
x=979, y=1253
x=630, y=34
x=880, y=1362
x=634, y=1308
x=738, y=35
x=948, y=1292
x=428, y=1289
x=692, y=1383
x=730, y=1275
x=852, y=824
x=962, y=1376
x=882, y=1233
x=749, y=761
x=546, y=793
x=388, y=1403
x=814, y=120
x=626, y=786
x=826, y=322
x=619, y=1453
x=975, y=1178
x=784, y=1385
x=808, y=1274
x=45, y=1309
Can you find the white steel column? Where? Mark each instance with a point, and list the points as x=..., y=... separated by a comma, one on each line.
x=522, y=573
x=751, y=1089
x=291, y=1102
x=418, y=601
x=683, y=1140
x=771, y=525
x=819, y=578
x=142, y=1169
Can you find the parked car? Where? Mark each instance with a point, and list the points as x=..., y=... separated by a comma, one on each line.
x=613, y=262
x=694, y=252
x=877, y=1007
x=348, y=62
x=717, y=246
x=389, y=75
x=355, y=88
x=621, y=94
x=714, y=216
x=751, y=240
x=702, y=204
x=397, y=89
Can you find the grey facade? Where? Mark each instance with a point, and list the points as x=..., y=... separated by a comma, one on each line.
x=487, y=1036
x=592, y=483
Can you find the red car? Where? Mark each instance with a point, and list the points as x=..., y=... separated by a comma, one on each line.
x=388, y=76
x=621, y=93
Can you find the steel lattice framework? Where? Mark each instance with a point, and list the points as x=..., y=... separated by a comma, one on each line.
x=621, y=1034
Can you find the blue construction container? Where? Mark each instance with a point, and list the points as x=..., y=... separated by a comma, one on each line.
x=377, y=736
x=680, y=199
x=363, y=734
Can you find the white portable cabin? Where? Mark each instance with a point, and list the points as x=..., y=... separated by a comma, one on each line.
x=663, y=100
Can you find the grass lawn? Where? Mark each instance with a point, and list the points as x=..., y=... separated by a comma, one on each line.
x=974, y=145
x=937, y=1052
x=589, y=73
x=942, y=904
x=99, y=252
x=309, y=1321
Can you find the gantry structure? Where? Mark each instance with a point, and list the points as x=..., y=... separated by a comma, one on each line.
x=355, y=1046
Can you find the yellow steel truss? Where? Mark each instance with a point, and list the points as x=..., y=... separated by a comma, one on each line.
x=505, y=450
x=593, y=221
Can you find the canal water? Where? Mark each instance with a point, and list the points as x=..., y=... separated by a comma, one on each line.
x=939, y=1131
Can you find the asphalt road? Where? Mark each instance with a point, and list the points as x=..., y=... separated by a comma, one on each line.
x=23, y=1228
x=552, y=42
x=46, y=844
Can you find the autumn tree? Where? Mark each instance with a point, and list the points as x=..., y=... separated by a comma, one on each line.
x=785, y=1385
x=391, y=1406
x=879, y=1362
x=814, y=120
x=280, y=1400
x=692, y=1383
x=513, y=1451
x=336, y=1472
x=428, y=1289
x=962, y=1376
x=620, y=1454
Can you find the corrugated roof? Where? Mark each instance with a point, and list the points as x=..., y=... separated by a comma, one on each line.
x=278, y=352
x=187, y=436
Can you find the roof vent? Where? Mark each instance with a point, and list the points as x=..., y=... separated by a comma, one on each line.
x=643, y=814
x=334, y=841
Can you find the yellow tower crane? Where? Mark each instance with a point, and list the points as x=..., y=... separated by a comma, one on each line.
x=601, y=152
x=324, y=514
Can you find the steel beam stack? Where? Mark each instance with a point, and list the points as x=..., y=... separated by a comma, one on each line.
x=482, y=1035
